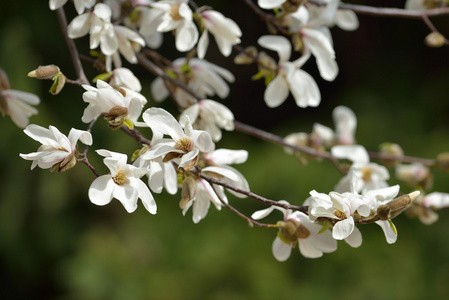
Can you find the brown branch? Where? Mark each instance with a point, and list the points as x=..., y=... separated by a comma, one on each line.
x=72, y=47
x=250, y=221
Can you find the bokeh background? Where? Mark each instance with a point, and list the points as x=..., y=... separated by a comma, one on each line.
x=55, y=244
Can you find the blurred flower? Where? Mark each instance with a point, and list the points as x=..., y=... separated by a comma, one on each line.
x=289, y=78
x=80, y=5
x=297, y=228
x=226, y=32
x=15, y=103
x=415, y=174
x=58, y=152
x=210, y=116
x=123, y=183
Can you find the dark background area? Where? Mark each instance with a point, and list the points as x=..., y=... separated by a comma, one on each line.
x=55, y=244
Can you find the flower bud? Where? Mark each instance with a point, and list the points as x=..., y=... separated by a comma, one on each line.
x=45, y=72
x=4, y=82
x=246, y=57
x=435, y=40
x=443, y=161
x=292, y=230
x=116, y=117
x=388, y=153
x=395, y=207
x=188, y=191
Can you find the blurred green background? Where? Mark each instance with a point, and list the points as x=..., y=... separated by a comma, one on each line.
x=55, y=244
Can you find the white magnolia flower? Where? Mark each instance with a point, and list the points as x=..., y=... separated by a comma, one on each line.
x=290, y=77
x=316, y=38
x=346, y=19
x=16, y=104
x=123, y=183
x=368, y=176
x=112, y=104
x=297, y=228
x=210, y=116
x=345, y=125
x=183, y=146
x=80, y=5
x=171, y=15
x=57, y=151
x=111, y=38
x=123, y=77
x=413, y=174
x=226, y=32
x=198, y=193
x=340, y=208
x=436, y=200
x=425, y=207
x=203, y=77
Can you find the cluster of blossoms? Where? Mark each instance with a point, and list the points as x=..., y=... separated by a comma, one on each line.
x=181, y=154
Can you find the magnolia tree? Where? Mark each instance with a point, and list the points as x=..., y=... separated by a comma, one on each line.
x=183, y=156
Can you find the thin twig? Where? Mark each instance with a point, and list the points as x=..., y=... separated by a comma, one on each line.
x=72, y=47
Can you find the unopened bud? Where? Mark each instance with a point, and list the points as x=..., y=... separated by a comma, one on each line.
x=435, y=40
x=4, y=82
x=116, y=117
x=67, y=163
x=391, y=154
x=247, y=56
x=292, y=230
x=396, y=206
x=45, y=72
x=443, y=161
x=58, y=84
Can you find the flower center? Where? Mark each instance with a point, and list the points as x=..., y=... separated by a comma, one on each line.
x=120, y=178
x=184, y=144
x=174, y=13
x=339, y=214
x=366, y=174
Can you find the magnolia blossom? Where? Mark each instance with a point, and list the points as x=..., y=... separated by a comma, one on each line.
x=203, y=77
x=297, y=228
x=80, y=5
x=226, y=32
x=346, y=19
x=316, y=38
x=270, y=4
x=123, y=183
x=16, y=104
x=183, y=146
x=111, y=38
x=57, y=151
x=123, y=77
x=198, y=193
x=289, y=78
x=171, y=15
x=425, y=207
x=414, y=174
x=210, y=116
x=114, y=106
x=340, y=208
x=367, y=175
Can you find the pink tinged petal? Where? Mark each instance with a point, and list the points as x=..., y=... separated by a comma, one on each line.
x=304, y=89
x=203, y=43
x=436, y=200
x=277, y=43
x=276, y=92
x=127, y=195
x=308, y=249
x=186, y=36
x=270, y=4
x=144, y=194
x=162, y=121
x=100, y=191
x=354, y=153
x=281, y=250
x=389, y=233
x=355, y=238
x=343, y=229
x=79, y=26
x=346, y=19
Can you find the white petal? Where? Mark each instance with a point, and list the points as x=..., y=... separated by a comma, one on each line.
x=355, y=238
x=308, y=249
x=203, y=43
x=304, y=89
x=346, y=19
x=281, y=250
x=79, y=26
x=159, y=90
x=389, y=233
x=145, y=195
x=127, y=195
x=160, y=120
x=55, y=4
x=436, y=200
x=186, y=36
x=227, y=157
x=270, y=4
x=343, y=229
x=277, y=43
x=354, y=153
x=100, y=191
x=276, y=92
